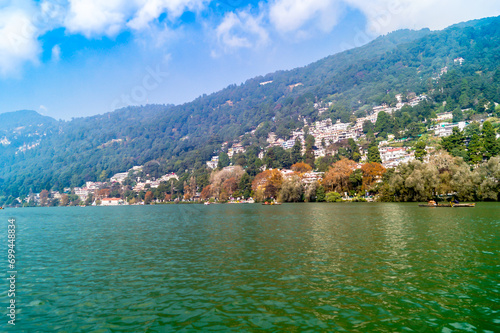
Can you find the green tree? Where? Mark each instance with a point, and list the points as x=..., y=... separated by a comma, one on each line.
x=457, y=115
x=333, y=197
x=224, y=160
x=354, y=150
x=489, y=140
x=245, y=185
x=296, y=153
x=453, y=141
x=356, y=179
x=373, y=153
x=320, y=194
x=475, y=150
x=309, y=153
x=420, y=151
x=368, y=126
x=383, y=123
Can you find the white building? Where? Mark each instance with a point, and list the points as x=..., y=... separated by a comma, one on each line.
x=388, y=153
x=119, y=177
x=446, y=129
x=311, y=177
x=112, y=202
x=444, y=116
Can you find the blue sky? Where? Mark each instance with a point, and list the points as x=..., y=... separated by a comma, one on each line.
x=74, y=58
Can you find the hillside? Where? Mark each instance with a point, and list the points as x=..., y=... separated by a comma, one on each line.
x=183, y=137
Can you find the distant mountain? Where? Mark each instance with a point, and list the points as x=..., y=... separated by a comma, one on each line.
x=183, y=137
x=23, y=118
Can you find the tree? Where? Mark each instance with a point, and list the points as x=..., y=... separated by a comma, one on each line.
x=291, y=190
x=320, y=194
x=309, y=153
x=103, y=176
x=475, y=150
x=64, y=200
x=44, y=198
x=373, y=153
x=301, y=167
x=267, y=184
x=420, y=151
x=333, y=197
x=230, y=186
x=217, y=178
x=489, y=175
x=245, y=185
x=457, y=115
x=310, y=192
x=103, y=193
x=224, y=160
x=206, y=193
x=148, y=198
x=372, y=172
x=489, y=140
x=354, y=150
x=356, y=179
x=383, y=123
x=368, y=127
x=192, y=186
x=296, y=153
x=453, y=141
x=187, y=191
x=337, y=177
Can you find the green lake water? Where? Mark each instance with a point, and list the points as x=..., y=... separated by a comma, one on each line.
x=251, y=268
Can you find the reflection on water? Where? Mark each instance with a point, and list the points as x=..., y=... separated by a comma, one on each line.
x=295, y=267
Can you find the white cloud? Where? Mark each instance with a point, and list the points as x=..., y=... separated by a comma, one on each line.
x=384, y=16
x=56, y=53
x=293, y=15
x=241, y=30
x=18, y=39
x=149, y=10
x=95, y=17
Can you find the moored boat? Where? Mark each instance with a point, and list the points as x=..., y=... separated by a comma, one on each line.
x=432, y=203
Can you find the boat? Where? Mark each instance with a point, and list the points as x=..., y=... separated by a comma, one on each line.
x=464, y=205
x=432, y=203
x=206, y=203
x=271, y=203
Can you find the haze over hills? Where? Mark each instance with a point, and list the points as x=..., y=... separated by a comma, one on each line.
x=58, y=154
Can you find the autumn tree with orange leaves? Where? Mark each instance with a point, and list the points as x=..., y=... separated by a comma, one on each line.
x=337, y=177
x=206, y=193
x=267, y=184
x=301, y=167
x=148, y=198
x=372, y=172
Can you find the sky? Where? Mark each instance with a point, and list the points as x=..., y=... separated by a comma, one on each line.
x=76, y=58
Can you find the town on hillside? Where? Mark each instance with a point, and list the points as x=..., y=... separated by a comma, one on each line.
x=359, y=172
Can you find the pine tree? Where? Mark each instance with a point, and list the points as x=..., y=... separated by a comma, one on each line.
x=374, y=154
x=489, y=140
x=223, y=160
x=420, y=151
x=296, y=154
x=309, y=153
x=475, y=149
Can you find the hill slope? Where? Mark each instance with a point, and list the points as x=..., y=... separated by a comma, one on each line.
x=185, y=136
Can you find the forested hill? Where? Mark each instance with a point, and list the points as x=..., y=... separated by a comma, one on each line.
x=183, y=137
x=10, y=121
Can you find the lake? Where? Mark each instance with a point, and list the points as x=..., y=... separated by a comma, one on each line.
x=353, y=267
